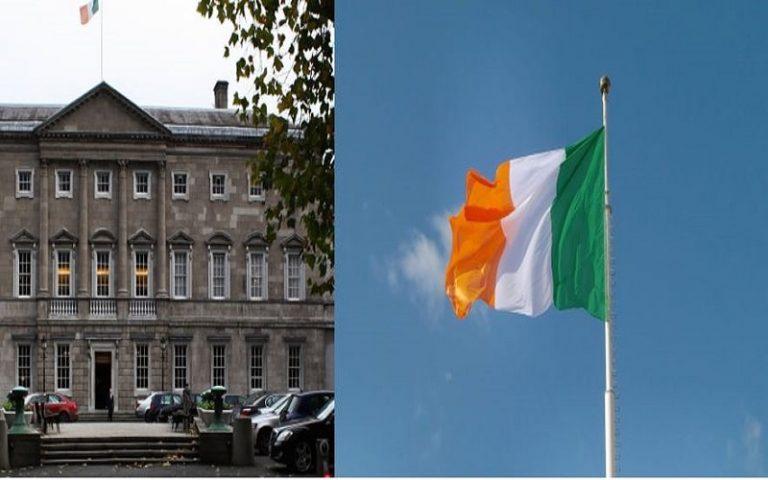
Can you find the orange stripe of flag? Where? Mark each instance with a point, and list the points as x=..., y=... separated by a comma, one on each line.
x=478, y=240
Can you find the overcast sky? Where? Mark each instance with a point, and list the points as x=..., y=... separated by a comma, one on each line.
x=155, y=52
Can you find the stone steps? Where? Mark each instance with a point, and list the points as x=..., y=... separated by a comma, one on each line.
x=103, y=417
x=111, y=450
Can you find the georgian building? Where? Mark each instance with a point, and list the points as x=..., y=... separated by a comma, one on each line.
x=133, y=257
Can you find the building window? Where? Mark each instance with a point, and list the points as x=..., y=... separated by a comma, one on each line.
x=179, y=366
x=218, y=186
x=141, y=275
x=180, y=280
x=294, y=276
x=63, y=183
x=25, y=183
x=219, y=365
x=180, y=185
x=24, y=273
x=24, y=365
x=103, y=273
x=255, y=189
x=219, y=275
x=294, y=367
x=63, y=366
x=103, y=180
x=142, y=184
x=257, y=275
x=63, y=276
x=142, y=366
x=257, y=367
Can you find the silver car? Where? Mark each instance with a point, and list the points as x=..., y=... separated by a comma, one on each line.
x=264, y=423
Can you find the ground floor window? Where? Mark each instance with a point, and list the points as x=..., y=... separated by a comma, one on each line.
x=294, y=366
x=179, y=366
x=142, y=366
x=219, y=365
x=62, y=366
x=24, y=365
x=257, y=367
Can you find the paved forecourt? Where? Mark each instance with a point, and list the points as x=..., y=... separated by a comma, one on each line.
x=114, y=429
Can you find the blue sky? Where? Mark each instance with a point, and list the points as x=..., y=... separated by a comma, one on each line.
x=428, y=89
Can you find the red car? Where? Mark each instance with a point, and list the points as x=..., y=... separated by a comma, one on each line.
x=55, y=403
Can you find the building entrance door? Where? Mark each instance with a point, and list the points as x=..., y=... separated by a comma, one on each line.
x=102, y=379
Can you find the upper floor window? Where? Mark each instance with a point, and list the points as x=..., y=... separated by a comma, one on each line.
x=180, y=278
x=219, y=275
x=141, y=276
x=142, y=184
x=102, y=273
x=24, y=365
x=255, y=189
x=294, y=276
x=63, y=276
x=63, y=183
x=24, y=269
x=180, y=185
x=218, y=186
x=103, y=187
x=25, y=183
x=257, y=275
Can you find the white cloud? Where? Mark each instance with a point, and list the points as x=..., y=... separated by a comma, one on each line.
x=418, y=267
x=752, y=440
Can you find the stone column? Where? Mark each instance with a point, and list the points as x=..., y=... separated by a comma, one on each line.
x=122, y=236
x=44, y=259
x=83, y=259
x=162, y=254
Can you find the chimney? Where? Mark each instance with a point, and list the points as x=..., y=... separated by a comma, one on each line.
x=220, y=94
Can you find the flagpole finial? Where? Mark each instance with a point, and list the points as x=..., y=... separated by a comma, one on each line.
x=605, y=84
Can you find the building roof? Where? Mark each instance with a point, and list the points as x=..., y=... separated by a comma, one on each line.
x=189, y=123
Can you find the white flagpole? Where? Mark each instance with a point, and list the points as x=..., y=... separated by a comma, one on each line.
x=101, y=20
x=610, y=452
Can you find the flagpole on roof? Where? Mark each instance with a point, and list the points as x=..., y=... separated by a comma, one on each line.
x=610, y=451
x=101, y=20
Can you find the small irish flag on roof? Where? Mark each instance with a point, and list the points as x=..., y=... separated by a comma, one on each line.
x=88, y=10
x=535, y=236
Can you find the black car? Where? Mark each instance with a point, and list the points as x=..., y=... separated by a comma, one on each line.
x=294, y=443
x=304, y=405
x=158, y=403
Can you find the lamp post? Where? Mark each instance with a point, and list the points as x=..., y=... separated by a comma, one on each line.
x=44, y=344
x=163, y=345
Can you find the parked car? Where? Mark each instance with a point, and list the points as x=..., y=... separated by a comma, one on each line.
x=292, y=407
x=254, y=403
x=143, y=405
x=158, y=401
x=293, y=443
x=234, y=400
x=55, y=403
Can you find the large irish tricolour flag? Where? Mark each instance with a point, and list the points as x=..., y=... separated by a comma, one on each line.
x=534, y=237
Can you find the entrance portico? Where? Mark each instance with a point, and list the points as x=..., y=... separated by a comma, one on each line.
x=103, y=360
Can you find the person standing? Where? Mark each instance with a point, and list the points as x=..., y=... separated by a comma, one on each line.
x=110, y=405
x=186, y=406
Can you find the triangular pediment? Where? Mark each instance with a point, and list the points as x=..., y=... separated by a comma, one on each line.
x=102, y=111
x=181, y=238
x=141, y=237
x=64, y=236
x=256, y=241
x=23, y=237
x=294, y=242
x=219, y=239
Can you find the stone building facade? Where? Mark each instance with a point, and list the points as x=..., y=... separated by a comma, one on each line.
x=133, y=257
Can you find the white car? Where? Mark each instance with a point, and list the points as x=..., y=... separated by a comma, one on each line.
x=143, y=405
